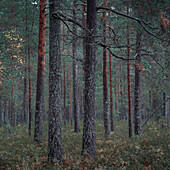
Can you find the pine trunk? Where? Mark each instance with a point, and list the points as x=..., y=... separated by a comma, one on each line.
x=137, y=98
x=75, y=75
x=89, y=126
x=105, y=86
x=29, y=72
x=128, y=81
x=55, y=146
x=1, y=110
x=5, y=112
x=40, y=75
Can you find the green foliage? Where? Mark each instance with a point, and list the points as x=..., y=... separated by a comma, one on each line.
x=18, y=151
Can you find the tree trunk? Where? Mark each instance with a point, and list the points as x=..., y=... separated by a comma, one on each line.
x=137, y=98
x=68, y=98
x=128, y=81
x=167, y=110
x=75, y=76
x=64, y=94
x=164, y=105
x=55, y=146
x=1, y=110
x=84, y=50
x=29, y=72
x=89, y=126
x=111, y=91
x=24, y=117
x=105, y=86
x=71, y=101
x=5, y=112
x=40, y=75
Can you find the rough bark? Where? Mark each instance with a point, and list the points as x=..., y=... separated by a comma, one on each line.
x=128, y=81
x=137, y=98
x=64, y=93
x=111, y=90
x=40, y=75
x=55, y=146
x=84, y=50
x=89, y=126
x=105, y=85
x=68, y=98
x=75, y=75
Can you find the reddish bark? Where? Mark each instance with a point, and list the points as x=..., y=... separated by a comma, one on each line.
x=115, y=91
x=128, y=80
x=105, y=86
x=40, y=74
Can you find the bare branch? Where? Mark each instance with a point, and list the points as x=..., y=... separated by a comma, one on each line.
x=141, y=22
x=108, y=48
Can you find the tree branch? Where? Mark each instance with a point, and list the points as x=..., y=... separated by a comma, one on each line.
x=154, y=111
x=141, y=22
x=108, y=48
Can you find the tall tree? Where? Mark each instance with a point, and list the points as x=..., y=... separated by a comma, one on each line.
x=89, y=126
x=40, y=74
x=105, y=85
x=75, y=74
x=128, y=79
x=137, y=97
x=55, y=146
x=1, y=108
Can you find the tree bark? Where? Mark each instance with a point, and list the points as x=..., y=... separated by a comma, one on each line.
x=128, y=81
x=64, y=94
x=24, y=117
x=29, y=105
x=89, y=126
x=111, y=90
x=75, y=76
x=40, y=75
x=55, y=146
x=68, y=98
x=137, y=98
x=105, y=86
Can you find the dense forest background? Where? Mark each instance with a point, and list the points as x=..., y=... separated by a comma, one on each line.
x=69, y=68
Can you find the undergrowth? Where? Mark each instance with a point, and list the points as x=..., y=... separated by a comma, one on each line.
x=149, y=151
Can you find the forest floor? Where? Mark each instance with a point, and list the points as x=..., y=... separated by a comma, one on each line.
x=150, y=151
